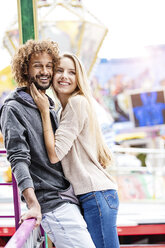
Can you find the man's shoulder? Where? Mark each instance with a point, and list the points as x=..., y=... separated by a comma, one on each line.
x=12, y=103
x=11, y=97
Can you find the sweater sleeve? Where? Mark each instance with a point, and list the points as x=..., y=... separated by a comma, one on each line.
x=18, y=151
x=71, y=124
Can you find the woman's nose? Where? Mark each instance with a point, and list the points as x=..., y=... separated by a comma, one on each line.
x=64, y=74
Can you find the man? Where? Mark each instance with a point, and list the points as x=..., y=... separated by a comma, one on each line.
x=43, y=186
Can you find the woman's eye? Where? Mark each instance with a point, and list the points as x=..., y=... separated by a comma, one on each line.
x=72, y=72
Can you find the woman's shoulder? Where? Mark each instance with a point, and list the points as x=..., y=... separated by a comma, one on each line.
x=78, y=104
x=78, y=100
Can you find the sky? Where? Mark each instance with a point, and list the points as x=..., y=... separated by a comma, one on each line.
x=132, y=25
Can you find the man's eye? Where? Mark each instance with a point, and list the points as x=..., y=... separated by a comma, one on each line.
x=37, y=66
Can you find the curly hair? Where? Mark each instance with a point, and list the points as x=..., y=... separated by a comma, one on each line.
x=20, y=61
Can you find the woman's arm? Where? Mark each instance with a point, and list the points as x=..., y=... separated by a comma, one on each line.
x=72, y=121
x=42, y=103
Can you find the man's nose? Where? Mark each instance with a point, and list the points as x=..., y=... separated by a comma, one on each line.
x=44, y=70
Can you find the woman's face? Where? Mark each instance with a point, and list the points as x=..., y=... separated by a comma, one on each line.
x=65, y=81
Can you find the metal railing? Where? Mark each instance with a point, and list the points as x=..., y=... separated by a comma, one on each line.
x=26, y=236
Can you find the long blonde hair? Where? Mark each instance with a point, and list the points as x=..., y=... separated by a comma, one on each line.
x=83, y=88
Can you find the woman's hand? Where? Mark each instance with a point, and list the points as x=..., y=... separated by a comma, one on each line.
x=39, y=98
x=42, y=103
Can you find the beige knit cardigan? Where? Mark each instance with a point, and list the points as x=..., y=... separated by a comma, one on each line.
x=76, y=149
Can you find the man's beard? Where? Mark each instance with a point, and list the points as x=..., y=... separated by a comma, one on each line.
x=38, y=86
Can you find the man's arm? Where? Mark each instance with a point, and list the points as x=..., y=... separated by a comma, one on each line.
x=18, y=154
x=34, y=209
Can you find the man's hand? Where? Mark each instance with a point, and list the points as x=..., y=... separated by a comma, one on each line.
x=34, y=212
x=34, y=209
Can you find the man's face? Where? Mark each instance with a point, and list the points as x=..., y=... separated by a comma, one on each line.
x=41, y=70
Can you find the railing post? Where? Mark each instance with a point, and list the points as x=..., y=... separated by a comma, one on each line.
x=17, y=205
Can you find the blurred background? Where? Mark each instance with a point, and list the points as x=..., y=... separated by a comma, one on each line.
x=122, y=45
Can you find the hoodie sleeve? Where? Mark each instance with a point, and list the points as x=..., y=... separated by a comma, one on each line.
x=71, y=124
x=18, y=152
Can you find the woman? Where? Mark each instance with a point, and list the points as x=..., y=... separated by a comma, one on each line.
x=79, y=145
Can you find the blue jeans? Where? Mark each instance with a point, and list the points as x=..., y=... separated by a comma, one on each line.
x=100, y=213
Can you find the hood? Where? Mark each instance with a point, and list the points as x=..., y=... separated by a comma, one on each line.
x=21, y=96
x=24, y=98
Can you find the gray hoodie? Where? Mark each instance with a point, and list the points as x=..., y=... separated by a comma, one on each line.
x=21, y=127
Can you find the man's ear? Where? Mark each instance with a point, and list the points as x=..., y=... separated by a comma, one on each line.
x=25, y=69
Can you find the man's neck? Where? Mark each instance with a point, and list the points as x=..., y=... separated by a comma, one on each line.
x=28, y=90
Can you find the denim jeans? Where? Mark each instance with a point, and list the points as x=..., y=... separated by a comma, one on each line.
x=67, y=228
x=100, y=213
